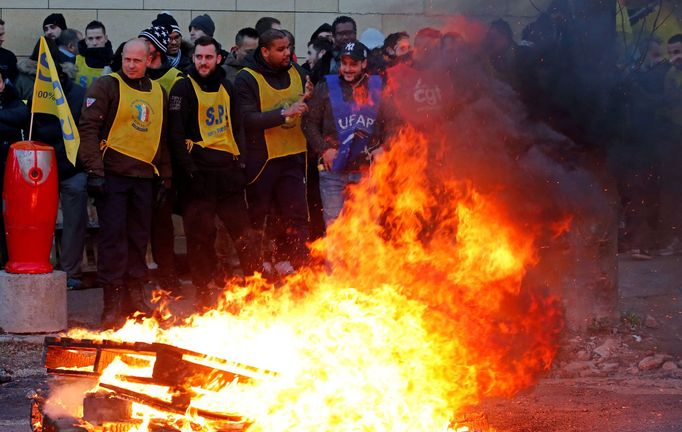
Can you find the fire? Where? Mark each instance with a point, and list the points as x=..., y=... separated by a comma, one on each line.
x=416, y=312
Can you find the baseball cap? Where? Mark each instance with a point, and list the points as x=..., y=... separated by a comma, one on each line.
x=355, y=49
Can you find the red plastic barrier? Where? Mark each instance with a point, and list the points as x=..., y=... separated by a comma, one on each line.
x=29, y=198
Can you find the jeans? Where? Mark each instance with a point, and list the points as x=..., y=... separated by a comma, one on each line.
x=74, y=198
x=333, y=191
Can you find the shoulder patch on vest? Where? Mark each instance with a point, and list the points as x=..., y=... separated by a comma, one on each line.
x=89, y=101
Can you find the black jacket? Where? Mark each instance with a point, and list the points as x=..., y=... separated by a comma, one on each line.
x=97, y=117
x=324, y=66
x=8, y=65
x=47, y=128
x=14, y=117
x=249, y=115
x=183, y=124
x=96, y=57
x=155, y=74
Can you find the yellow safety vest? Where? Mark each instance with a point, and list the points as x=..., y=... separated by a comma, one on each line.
x=215, y=124
x=136, y=130
x=169, y=78
x=288, y=138
x=85, y=75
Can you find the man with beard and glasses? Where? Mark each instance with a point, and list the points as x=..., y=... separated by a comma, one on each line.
x=176, y=53
x=94, y=54
x=271, y=100
x=207, y=160
x=163, y=233
x=343, y=111
x=123, y=146
x=344, y=30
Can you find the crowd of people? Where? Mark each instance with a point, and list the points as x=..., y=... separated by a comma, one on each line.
x=255, y=151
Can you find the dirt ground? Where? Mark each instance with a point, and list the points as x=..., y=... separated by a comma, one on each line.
x=621, y=378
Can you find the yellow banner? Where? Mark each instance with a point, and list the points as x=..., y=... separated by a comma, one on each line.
x=49, y=98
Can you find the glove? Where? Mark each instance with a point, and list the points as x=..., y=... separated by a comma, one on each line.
x=162, y=188
x=96, y=186
x=197, y=183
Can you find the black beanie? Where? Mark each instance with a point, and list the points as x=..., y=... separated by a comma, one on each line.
x=56, y=19
x=204, y=23
x=166, y=20
x=158, y=36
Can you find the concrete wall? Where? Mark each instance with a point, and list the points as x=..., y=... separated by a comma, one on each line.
x=125, y=18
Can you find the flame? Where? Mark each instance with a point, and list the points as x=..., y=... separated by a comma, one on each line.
x=416, y=312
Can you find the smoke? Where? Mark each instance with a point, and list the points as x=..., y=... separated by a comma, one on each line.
x=66, y=397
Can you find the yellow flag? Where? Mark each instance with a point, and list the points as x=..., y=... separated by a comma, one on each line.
x=623, y=20
x=49, y=98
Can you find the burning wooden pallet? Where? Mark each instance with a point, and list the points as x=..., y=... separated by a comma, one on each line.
x=178, y=372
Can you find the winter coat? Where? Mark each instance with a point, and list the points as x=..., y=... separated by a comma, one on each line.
x=97, y=116
x=249, y=115
x=14, y=117
x=183, y=124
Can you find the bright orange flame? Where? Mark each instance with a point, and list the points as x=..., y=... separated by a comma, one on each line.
x=423, y=315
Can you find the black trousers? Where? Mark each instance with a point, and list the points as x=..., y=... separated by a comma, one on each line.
x=163, y=234
x=223, y=197
x=281, y=186
x=125, y=215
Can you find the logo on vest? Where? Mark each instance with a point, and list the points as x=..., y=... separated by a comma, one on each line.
x=428, y=96
x=356, y=121
x=142, y=114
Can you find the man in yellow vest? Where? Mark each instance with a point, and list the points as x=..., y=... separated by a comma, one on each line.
x=270, y=100
x=160, y=69
x=94, y=54
x=122, y=146
x=163, y=234
x=206, y=157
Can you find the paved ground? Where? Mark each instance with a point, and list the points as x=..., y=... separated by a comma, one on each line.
x=589, y=389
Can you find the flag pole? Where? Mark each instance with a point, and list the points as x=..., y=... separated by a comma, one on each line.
x=30, y=128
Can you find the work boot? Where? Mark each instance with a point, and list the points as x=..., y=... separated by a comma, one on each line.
x=136, y=299
x=111, y=306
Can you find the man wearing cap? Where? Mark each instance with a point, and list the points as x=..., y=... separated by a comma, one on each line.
x=53, y=26
x=339, y=124
x=201, y=137
x=176, y=56
x=94, y=54
x=271, y=100
x=160, y=69
x=201, y=25
x=162, y=234
x=122, y=129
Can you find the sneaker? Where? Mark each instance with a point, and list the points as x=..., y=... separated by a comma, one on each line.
x=640, y=255
x=73, y=283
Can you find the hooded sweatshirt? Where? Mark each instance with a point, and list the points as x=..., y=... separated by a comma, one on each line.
x=97, y=58
x=249, y=115
x=183, y=123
